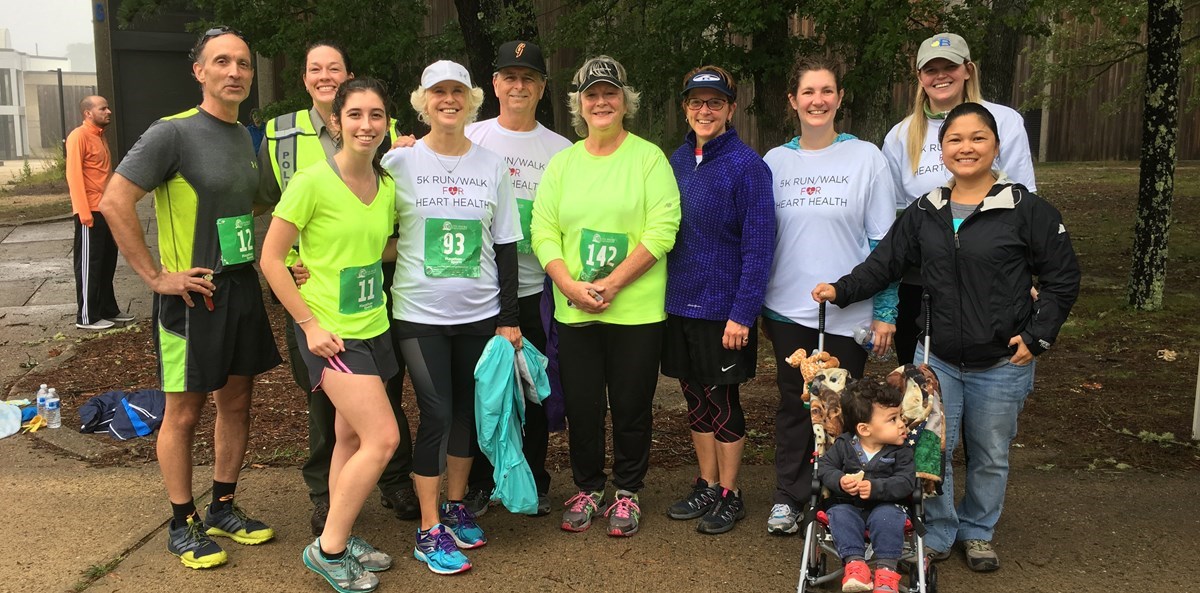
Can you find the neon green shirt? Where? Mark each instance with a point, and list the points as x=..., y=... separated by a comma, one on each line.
x=593, y=211
x=344, y=241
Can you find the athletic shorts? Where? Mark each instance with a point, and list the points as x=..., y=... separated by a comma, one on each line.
x=692, y=350
x=199, y=349
x=372, y=356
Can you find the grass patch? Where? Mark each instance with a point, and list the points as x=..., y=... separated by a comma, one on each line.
x=95, y=573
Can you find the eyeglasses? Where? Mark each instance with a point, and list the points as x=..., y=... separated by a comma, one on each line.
x=713, y=104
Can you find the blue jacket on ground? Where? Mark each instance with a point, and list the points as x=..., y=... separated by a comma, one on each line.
x=721, y=261
x=123, y=415
x=504, y=378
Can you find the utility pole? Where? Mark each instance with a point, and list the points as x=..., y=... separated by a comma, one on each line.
x=62, y=110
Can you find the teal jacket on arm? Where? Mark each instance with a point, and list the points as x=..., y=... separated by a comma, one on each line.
x=504, y=378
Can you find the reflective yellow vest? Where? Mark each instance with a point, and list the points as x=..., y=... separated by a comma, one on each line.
x=293, y=144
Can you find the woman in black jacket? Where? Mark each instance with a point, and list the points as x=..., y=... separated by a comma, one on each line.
x=979, y=241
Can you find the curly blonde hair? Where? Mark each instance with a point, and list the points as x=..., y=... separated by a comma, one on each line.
x=419, y=100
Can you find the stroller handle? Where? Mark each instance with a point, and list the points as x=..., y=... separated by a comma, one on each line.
x=928, y=322
x=821, y=327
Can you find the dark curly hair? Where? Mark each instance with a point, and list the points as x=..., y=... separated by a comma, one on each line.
x=858, y=402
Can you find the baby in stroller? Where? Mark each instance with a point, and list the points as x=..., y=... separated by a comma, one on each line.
x=870, y=474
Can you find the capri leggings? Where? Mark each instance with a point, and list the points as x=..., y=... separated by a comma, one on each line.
x=715, y=409
x=442, y=369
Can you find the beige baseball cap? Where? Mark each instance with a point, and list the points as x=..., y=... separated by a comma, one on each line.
x=943, y=45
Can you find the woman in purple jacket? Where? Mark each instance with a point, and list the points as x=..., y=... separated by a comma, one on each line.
x=716, y=277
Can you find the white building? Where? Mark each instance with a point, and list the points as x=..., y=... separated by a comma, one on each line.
x=30, y=116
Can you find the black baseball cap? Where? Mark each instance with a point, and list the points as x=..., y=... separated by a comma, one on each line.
x=521, y=53
x=709, y=79
x=601, y=70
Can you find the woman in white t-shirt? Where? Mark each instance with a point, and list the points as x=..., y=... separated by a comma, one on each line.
x=455, y=287
x=946, y=77
x=834, y=199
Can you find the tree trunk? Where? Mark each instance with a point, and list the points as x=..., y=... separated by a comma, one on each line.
x=481, y=48
x=770, y=106
x=998, y=62
x=1160, y=126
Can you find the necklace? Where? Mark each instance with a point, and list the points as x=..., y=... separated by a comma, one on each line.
x=449, y=171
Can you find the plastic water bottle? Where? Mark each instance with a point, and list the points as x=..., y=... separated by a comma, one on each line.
x=41, y=400
x=53, y=410
x=865, y=338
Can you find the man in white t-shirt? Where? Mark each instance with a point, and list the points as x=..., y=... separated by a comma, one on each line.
x=526, y=146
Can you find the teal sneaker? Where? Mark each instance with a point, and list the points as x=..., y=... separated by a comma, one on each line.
x=461, y=521
x=369, y=557
x=437, y=549
x=345, y=576
x=624, y=514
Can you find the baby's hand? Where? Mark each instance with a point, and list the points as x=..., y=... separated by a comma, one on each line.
x=850, y=483
x=864, y=489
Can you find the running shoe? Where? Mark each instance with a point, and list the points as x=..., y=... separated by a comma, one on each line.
x=122, y=317
x=99, y=324
x=723, y=515
x=346, y=575
x=402, y=501
x=461, y=521
x=543, y=506
x=232, y=522
x=580, y=508
x=980, y=555
x=624, y=514
x=783, y=520
x=887, y=581
x=697, y=503
x=320, y=513
x=857, y=578
x=193, y=546
x=478, y=501
x=437, y=549
x=369, y=557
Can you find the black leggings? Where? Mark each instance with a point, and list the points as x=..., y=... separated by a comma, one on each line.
x=442, y=369
x=715, y=409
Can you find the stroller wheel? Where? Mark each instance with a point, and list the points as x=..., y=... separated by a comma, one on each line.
x=930, y=578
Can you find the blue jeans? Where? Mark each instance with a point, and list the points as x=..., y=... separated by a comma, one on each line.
x=885, y=522
x=983, y=407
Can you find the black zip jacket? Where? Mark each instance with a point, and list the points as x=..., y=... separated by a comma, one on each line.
x=978, y=278
x=892, y=472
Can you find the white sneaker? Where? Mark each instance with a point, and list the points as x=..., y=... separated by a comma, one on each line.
x=99, y=324
x=123, y=317
x=782, y=520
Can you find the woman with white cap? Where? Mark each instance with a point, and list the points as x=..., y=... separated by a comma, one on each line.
x=455, y=288
x=606, y=215
x=946, y=77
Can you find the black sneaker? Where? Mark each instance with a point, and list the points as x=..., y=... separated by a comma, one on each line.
x=728, y=510
x=478, y=500
x=543, y=506
x=193, y=546
x=696, y=503
x=402, y=501
x=319, y=514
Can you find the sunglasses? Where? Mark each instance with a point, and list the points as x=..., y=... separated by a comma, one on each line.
x=209, y=34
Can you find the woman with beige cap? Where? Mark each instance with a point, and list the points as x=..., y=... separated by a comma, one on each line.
x=946, y=77
x=455, y=288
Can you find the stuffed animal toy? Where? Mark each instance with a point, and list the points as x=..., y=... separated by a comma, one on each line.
x=826, y=406
x=809, y=367
x=922, y=412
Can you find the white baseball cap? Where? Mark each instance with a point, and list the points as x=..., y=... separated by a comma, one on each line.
x=443, y=70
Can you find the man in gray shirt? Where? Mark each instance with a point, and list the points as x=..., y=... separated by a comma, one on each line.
x=211, y=331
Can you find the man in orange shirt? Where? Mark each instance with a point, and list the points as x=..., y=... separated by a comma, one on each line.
x=88, y=170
